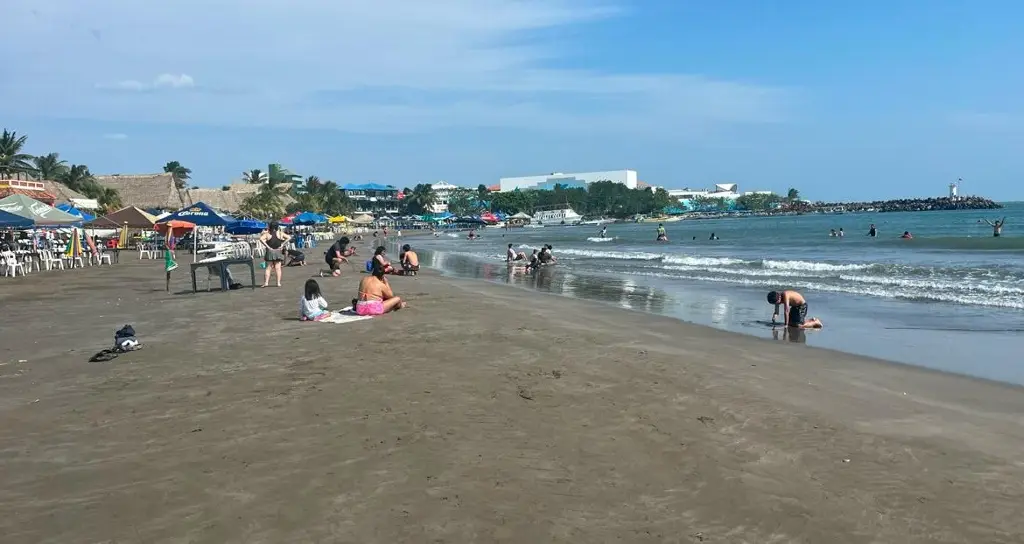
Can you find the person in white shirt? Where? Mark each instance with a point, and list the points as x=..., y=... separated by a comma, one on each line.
x=313, y=306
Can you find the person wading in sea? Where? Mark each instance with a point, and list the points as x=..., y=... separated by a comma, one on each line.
x=997, y=227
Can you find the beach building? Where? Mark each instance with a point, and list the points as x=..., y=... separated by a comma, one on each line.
x=147, y=191
x=372, y=198
x=442, y=192
x=35, y=190
x=579, y=179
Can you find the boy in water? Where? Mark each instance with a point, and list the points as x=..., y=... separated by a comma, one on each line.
x=795, y=310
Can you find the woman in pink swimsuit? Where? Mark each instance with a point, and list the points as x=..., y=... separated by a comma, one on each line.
x=375, y=295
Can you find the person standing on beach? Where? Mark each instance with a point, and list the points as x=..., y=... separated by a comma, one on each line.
x=997, y=227
x=273, y=241
x=795, y=310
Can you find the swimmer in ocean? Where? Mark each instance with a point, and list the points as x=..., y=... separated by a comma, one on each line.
x=662, y=235
x=604, y=232
x=872, y=231
x=997, y=227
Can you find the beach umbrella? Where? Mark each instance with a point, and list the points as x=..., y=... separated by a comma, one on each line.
x=41, y=214
x=65, y=207
x=122, y=239
x=74, y=247
x=308, y=218
x=11, y=221
x=202, y=215
x=246, y=226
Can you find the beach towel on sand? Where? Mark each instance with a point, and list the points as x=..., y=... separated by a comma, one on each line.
x=345, y=315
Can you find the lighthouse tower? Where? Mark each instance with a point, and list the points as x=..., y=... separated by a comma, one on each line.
x=954, y=188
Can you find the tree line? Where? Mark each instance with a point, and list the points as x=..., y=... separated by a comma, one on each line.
x=15, y=163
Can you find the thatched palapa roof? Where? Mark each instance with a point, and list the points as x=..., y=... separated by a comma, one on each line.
x=147, y=191
x=61, y=192
x=230, y=199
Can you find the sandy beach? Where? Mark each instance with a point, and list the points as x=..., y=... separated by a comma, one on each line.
x=481, y=414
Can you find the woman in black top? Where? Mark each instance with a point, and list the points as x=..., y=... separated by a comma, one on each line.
x=274, y=241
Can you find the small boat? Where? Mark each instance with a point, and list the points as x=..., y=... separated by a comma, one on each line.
x=557, y=215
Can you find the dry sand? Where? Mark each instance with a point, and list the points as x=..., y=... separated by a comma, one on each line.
x=481, y=414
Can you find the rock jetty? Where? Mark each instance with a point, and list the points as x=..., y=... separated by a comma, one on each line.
x=909, y=205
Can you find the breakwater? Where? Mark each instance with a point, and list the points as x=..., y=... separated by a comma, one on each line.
x=906, y=205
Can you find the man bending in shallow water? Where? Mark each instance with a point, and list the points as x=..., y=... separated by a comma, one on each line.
x=795, y=310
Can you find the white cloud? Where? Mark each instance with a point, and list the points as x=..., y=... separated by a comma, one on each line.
x=319, y=63
x=115, y=136
x=162, y=81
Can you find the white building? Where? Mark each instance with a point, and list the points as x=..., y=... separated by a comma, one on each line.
x=581, y=179
x=442, y=192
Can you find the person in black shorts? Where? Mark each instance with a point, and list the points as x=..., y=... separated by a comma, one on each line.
x=795, y=310
x=338, y=253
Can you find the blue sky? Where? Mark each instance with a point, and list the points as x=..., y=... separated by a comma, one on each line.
x=843, y=100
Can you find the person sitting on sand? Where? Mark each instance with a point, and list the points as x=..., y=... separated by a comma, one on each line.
x=545, y=255
x=534, y=260
x=513, y=255
x=795, y=314
x=410, y=261
x=338, y=253
x=380, y=258
x=313, y=306
x=375, y=295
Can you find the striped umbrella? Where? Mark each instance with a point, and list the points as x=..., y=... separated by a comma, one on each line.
x=74, y=248
x=122, y=240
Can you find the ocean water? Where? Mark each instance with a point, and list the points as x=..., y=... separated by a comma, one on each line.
x=952, y=298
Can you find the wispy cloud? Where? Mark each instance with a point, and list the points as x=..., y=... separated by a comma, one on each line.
x=162, y=81
x=456, y=62
x=115, y=136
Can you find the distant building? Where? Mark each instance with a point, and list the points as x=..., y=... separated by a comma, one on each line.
x=33, y=189
x=372, y=198
x=581, y=180
x=442, y=192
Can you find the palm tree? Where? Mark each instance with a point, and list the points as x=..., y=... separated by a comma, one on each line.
x=179, y=172
x=793, y=195
x=50, y=166
x=421, y=200
x=12, y=160
x=109, y=199
x=78, y=178
x=254, y=176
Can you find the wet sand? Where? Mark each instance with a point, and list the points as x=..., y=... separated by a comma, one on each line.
x=481, y=414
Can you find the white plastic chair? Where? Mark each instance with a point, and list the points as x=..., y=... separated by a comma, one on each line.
x=145, y=252
x=11, y=265
x=101, y=257
x=49, y=261
x=30, y=262
x=72, y=261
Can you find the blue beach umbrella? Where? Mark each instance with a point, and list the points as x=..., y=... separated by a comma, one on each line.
x=68, y=208
x=246, y=226
x=202, y=215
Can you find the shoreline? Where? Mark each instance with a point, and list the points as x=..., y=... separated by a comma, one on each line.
x=848, y=330
x=479, y=413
